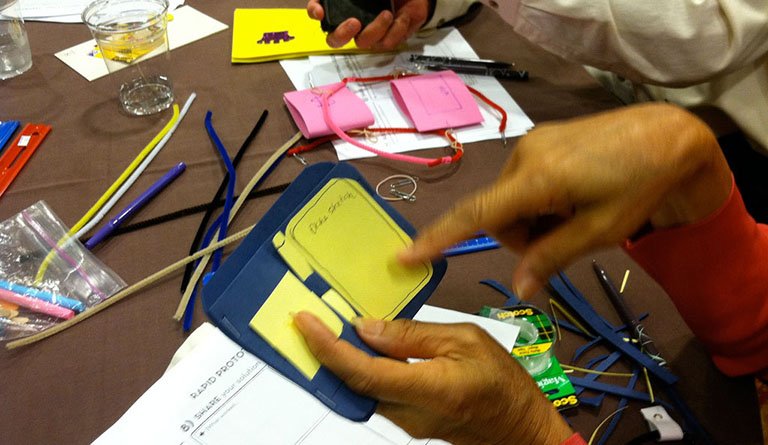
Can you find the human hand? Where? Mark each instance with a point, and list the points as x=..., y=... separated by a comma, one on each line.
x=386, y=32
x=578, y=185
x=470, y=391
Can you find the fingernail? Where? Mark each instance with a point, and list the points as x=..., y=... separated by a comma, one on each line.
x=526, y=287
x=407, y=255
x=368, y=326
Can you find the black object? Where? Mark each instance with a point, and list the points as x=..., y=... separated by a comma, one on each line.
x=172, y=216
x=626, y=315
x=212, y=206
x=749, y=169
x=337, y=11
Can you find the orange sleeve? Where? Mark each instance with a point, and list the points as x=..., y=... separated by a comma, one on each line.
x=716, y=273
x=576, y=439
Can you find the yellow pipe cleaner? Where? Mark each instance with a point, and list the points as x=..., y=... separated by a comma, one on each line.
x=108, y=194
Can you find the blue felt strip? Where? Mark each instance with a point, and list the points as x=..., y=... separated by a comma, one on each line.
x=512, y=299
x=597, y=323
x=614, y=422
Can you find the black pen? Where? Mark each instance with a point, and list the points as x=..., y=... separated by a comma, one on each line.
x=445, y=60
x=482, y=67
x=499, y=73
x=626, y=315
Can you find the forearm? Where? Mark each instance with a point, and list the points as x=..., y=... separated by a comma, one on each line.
x=705, y=180
x=671, y=43
x=715, y=270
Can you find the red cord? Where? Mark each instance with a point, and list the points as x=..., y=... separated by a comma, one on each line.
x=448, y=134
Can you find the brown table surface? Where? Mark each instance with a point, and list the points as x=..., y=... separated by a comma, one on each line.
x=73, y=386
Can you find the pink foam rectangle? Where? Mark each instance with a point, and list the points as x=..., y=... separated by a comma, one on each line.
x=436, y=101
x=346, y=109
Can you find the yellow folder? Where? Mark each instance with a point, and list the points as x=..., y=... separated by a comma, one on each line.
x=261, y=35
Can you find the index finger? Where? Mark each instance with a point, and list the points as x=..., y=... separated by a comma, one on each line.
x=315, y=10
x=496, y=208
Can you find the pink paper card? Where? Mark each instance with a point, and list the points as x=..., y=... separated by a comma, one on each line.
x=346, y=109
x=436, y=100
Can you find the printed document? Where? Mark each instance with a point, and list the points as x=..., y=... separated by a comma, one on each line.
x=216, y=393
x=64, y=11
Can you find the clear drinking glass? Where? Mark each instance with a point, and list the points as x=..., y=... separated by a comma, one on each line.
x=133, y=40
x=15, y=56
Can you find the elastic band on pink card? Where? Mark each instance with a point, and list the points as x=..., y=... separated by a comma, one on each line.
x=445, y=82
x=348, y=110
x=436, y=100
x=394, y=156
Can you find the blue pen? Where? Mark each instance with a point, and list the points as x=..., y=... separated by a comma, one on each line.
x=40, y=294
x=136, y=205
x=477, y=244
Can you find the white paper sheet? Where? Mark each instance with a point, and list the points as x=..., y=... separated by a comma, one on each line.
x=216, y=393
x=188, y=25
x=63, y=11
x=322, y=70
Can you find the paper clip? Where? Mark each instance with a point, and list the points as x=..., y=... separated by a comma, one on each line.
x=23, y=147
x=7, y=129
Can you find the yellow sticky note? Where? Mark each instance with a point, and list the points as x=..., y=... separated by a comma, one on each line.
x=274, y=322
x=260, y=35
x=339, y=304
x=292, y=257
x=352, y=243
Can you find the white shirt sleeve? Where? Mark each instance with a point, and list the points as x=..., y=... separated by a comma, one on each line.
x=666, y=42
x=446, y=10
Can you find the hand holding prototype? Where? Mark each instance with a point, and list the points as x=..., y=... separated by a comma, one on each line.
x=587, y=183
x=385, y=33
x=470, y=391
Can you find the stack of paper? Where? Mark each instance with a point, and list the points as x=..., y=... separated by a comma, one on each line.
x=216, y=393
x=63, y=11
x=323, y=70
x=261, y=35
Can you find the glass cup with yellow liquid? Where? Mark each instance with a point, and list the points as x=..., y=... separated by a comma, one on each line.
x=132, y=39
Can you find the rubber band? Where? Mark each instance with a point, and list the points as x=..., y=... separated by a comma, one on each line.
x=325, y=93
x=648, y=384
x=602, y=366
x=136, y=173
x=592, y=371
x=623, y=402
x=624, y=281
x=393, y=156
x=410, y=196
x=453, y=142
x=111, y=190
x=600, y=425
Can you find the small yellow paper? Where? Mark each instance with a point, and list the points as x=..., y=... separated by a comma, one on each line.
x=292, y=257
x=339, y=304
x=260, y=35
x=352, y=243
x=274, y=322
